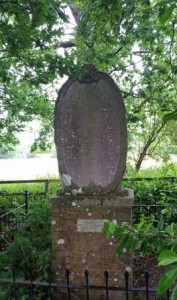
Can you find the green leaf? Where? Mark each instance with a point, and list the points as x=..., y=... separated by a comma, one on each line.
x=112, y=227
x=109, y=228
x=167, y=14
x=161, y=223
x=143, y=247
x=174, y=293
x=167, y=257
x=133, y=243
x=122, y=245
x=170, y=116
x=167, y=261
x=167, y=280
x=105, y=226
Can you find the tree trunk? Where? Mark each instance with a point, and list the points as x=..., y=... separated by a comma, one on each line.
x=150, y=140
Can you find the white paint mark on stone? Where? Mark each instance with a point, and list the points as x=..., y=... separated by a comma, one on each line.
x=53, y=222
x=80, y=191
x=61, y=242
x=128, y=269
x=74, y=192
x=66, y=179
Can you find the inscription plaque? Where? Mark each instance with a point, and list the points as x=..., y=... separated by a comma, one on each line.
x=89, y=225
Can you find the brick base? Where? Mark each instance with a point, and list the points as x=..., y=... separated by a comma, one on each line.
x=79, y=244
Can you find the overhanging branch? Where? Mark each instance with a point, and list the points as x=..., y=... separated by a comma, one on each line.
x=67, y=44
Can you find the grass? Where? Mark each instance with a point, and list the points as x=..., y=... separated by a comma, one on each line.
x=30, y=187
x=166, y=170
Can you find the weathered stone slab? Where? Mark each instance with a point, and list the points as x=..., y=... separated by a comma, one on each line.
x=91, y=134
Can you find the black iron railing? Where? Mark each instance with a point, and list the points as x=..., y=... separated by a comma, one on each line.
x=73, y=290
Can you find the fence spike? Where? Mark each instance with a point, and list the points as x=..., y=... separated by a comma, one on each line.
x=68, y=283
x=106, y=275
x=14, y=272
x=49, y=273
x=126, y=275
x=14, y=290
x=86, y=273
x=146, y=274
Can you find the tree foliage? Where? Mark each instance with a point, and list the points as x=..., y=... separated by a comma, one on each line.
x=134, y=41
x=29, y=33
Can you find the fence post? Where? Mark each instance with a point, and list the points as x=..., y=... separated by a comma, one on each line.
x=31, y=277
x=106, y=275
x=14, y=279
x=168, y=294
x=26, y=200
x=86, y=273
x=147, y=285
x=49, y=288
x=46, y=186
x=68, y=283
x=126, y=275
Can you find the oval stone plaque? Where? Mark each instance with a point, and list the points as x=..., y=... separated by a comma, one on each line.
x=91, y=134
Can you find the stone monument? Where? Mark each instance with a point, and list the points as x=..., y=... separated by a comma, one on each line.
x=91, y=134
x=91, y=142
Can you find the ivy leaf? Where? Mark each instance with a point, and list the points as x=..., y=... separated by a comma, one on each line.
x=167, y=14
x=167, y=280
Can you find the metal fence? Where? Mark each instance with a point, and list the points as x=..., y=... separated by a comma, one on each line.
x=47, y=289
x=46, y=182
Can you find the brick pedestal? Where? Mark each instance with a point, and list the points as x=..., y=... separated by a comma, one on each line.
x=79, y=244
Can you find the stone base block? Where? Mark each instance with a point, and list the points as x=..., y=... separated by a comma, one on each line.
x=79, y=244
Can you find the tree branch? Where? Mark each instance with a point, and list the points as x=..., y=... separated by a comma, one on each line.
x=141, y=52
x=67, y=44
x=76, y=12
